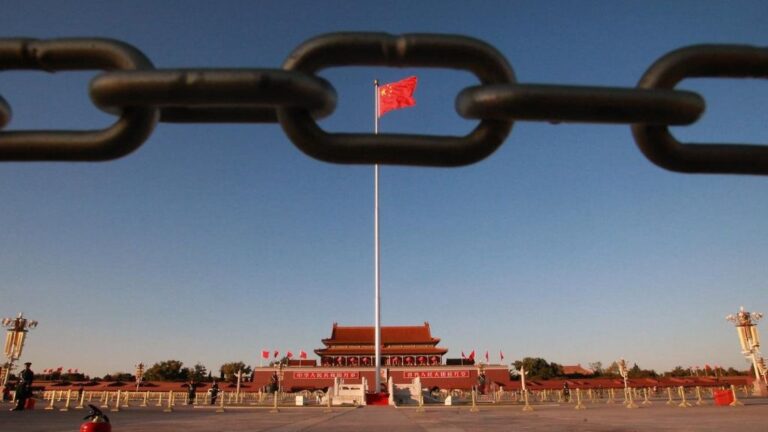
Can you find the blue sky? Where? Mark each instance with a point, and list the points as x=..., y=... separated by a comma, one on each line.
x=213, y=242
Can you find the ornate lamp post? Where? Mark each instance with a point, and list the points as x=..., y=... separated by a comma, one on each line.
x=14, y=341
x=624, y=373
x=139, y=375
x=750, y=343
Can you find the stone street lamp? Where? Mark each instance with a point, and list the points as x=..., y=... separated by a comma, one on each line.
x=14, y=341
x=746, y=326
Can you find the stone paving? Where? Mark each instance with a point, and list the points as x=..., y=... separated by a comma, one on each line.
x=548, y=417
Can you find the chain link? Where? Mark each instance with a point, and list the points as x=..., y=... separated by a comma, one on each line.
x=661, y=148
x=5, y=112
x=379, y=49
x=132, y=128
x=295, y=96
x=215, y=95
x=580, y=104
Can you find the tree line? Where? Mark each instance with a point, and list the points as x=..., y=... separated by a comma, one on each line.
x=167, y=370
x=535, y=367
x=539, y=368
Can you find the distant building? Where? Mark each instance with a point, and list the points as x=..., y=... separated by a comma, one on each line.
x=401, y=346
x=408, y=352
x=577, y=370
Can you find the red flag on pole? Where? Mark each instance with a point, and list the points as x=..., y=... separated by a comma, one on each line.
x=501, y=355
x=289, y=354
x=265, y=354
x=277, y=353
x=472, y=355
x=486, y=357
x=463, y=355
x=302, y=355
x=397, y=95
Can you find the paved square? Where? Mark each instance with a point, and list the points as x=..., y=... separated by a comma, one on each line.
x=548, y=417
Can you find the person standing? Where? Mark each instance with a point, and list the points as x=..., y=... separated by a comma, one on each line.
x=214, y=392
x=24, y=387
x=192, y=387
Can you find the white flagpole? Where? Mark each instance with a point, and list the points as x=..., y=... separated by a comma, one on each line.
x=376, y=252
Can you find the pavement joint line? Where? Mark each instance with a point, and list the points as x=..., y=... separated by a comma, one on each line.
x=309, y=423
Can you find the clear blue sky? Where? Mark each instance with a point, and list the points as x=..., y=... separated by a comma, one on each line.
x=213, y=242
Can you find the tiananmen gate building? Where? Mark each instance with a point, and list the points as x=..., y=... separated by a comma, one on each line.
x=407, y=352
x=401, y=346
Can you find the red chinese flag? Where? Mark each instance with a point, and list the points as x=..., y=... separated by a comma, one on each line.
x=463, y=355
x=302, y=355
x=265, y=354
x=289, y=354
x=472, y=355
x=501, y=354
x=486, y=357
x=397, y=95
x=277, y=353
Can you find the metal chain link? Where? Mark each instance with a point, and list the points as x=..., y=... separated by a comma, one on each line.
x=5, y=112
x=215, y=95
x=379, y=49
x=132, y=128
x=661, y=148
x=295, y=96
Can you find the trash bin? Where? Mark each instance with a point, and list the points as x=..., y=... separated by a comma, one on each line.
x=723, y=397
x=29, y=404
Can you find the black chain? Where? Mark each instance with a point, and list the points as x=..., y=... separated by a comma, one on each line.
x=5, y=112
x=128, y=133
x=295, y=96
x=661, y=148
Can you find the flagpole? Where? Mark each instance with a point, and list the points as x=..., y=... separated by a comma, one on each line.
x=376, y=252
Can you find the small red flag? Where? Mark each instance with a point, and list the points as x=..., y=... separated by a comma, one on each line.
x=472, y=355
x=289, y=354
x=277, y=353
x=397, y=95
x=487, y=360
x=501, y=354
x=302, y=355
x=463, y=355
x=265, y=354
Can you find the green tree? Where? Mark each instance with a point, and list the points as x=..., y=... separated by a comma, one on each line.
x=678, y=371
x=612, y=370
x=198, y=373
x=636, y=372
x=168, y=370
x=121, y=376
x=538, y=368
x=597, y=368
x=283, y=361
x=229, y=370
